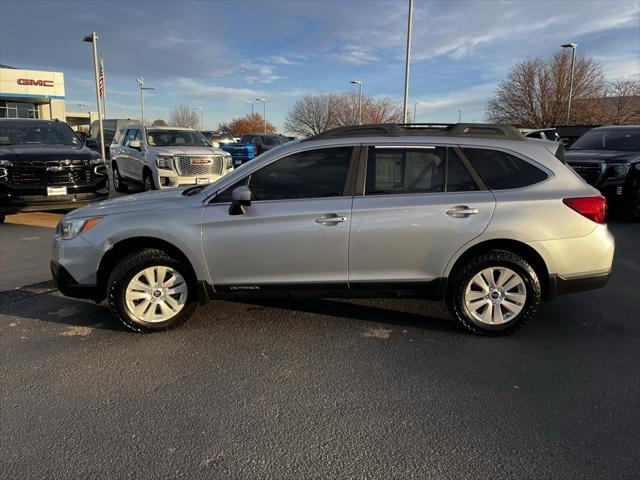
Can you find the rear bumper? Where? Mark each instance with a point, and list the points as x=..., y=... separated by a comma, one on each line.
x=559, y=285
x=69, y=286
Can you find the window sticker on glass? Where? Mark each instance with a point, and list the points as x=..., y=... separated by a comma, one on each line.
x=386, y=170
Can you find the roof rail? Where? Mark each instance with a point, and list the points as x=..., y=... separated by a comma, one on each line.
x=481, y=130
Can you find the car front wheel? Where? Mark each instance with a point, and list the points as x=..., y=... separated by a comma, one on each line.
x=150, y=291
x=494, y=294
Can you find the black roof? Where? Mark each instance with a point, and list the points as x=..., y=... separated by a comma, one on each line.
x=483, y=130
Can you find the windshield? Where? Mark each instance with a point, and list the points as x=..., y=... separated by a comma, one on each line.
x=37, y=133
x=625, y=140
x=175, y=138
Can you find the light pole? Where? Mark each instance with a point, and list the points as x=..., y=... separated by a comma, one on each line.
x=201, y=117
x=248, y=101
x=359, y=83
x=459, y=116
x=142, y=89
x=93, y=38
x=264, y=112
x=415, y=107
x=573, y=47
x=407, y=63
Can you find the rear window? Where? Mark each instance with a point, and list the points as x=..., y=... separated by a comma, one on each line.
x=501, y=171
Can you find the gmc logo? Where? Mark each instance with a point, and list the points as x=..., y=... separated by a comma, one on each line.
x=35, y=83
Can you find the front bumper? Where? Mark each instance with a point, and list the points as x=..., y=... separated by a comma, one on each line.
x=68, y=285
x=16, y=197
x=170, y=179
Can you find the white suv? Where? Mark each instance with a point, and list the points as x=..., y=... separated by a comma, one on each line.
x=165, y=157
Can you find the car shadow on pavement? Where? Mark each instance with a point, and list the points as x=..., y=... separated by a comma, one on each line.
x=402, y=313
x=42, y=302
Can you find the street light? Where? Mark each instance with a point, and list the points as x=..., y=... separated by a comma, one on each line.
x=573, y=47
x=93, y=38
x=406, y=66
x=359, y=83
x=201, y=117
x=142, y=89
x=459, y=116
x=248, y=101
x=264, y=112
x=415, y=107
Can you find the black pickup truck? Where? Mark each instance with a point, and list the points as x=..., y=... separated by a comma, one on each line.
x=609, y=159
x=44, y=165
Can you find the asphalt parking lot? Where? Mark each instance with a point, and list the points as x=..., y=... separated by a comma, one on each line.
x=316, y=388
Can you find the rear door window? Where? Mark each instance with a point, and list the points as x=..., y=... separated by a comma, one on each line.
x=501, y=171
x=458, y=177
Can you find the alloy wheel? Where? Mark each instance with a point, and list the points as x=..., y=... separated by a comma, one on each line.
x=495, y=295
x=156, y=294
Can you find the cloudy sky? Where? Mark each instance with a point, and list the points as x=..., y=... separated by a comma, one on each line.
x=212, y=54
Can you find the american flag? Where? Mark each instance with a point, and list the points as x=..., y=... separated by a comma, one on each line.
x=101, y=78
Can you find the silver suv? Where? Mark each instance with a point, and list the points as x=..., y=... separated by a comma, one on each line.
x=165, y=157
x=477, y=215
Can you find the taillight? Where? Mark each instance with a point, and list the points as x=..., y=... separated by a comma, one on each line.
x=594, y=208
x=256, y=151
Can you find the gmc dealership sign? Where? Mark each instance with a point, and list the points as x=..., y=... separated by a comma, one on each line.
x=35, y=83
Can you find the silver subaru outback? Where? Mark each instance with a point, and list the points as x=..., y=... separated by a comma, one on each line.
x=476, y=215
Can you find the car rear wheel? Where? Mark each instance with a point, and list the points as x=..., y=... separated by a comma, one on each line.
x=150, y=291
x=117, y=179
x=495, y=293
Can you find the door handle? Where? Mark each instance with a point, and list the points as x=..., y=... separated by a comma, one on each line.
x=330, y=219
x=461, y=211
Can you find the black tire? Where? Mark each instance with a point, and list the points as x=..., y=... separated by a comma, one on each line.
x=147, y=182
x=633, y=204
x=494, y=258
x=131, y=265
x=117, y=179
x=2, y=217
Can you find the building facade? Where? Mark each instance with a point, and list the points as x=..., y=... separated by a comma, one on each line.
x=31, y=94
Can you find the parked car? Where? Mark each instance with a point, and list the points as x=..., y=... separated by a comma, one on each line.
x=165, y=157
x=218, y=138
x=109, y=126
x=251, y=145
x=477, y=215
x=542, y=133
x=44, y=165
x=609, y=159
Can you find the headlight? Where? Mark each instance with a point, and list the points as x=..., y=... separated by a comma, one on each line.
x=6, y=163
x=618, y=171
x=164, y=162
x=68, y=229
x=228, y=161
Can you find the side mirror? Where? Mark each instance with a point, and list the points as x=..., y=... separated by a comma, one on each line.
x=135, y=144
x=240, y=197
x=91, y=143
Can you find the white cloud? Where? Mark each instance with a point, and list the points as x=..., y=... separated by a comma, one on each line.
x=187, y=86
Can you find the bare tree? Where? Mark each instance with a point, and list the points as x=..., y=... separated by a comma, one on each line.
x=622, y=103
x=311, y=114
x=184, y=116
x=316, y=113
x=536, y=91
x=159, y=123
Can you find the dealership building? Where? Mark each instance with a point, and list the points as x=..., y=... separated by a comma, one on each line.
x=37, y=94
